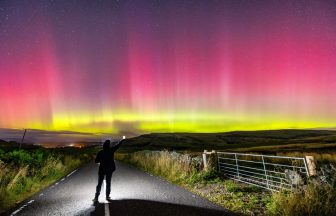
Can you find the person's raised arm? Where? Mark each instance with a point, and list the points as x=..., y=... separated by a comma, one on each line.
x=116, y=147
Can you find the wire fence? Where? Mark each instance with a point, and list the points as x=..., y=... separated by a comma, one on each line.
x=261, y=170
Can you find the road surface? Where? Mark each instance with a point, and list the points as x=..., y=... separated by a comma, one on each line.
x=133, y=192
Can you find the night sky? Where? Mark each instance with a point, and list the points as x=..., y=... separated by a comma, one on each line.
x=167, y=66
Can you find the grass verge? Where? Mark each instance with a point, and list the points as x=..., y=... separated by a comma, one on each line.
x=315, y=199
x=25, y=172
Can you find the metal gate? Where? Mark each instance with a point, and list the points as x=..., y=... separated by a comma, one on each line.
x=260, y=170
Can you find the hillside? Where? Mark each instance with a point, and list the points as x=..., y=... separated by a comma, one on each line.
x=297, y=139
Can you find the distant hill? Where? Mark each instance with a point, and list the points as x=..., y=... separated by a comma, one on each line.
x=231, y=140
x=4, y=145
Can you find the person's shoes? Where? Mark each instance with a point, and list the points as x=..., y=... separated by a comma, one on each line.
x=95, y=200
x=108, y=198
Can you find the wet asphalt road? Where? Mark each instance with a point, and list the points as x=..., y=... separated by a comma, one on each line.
x=133, y=192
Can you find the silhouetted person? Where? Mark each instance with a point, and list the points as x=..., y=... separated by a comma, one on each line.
x=105, y=158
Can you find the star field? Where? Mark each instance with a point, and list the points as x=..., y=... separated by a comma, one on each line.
x=148, y=66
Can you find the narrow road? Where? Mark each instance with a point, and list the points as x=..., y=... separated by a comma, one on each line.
x=133, y=193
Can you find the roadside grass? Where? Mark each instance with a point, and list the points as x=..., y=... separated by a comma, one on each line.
x=25, y=172
x=237, y=197
x=158, y=163
x=314, y=199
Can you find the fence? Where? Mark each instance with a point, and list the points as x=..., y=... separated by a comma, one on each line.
x=261, y=170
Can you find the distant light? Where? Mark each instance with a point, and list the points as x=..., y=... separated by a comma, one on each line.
x=71, y=144
x=124, y=137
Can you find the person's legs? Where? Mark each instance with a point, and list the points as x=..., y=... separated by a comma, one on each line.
x=108, y=184
x=100, y=182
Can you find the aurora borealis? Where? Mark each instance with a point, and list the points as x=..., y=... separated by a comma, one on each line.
x=168, y=66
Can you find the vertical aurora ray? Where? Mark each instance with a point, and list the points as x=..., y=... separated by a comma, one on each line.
x=167, y=66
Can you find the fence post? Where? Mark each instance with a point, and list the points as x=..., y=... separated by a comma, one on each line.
x=210, y=160
x=214, y=160
x=311, y=169
x=237, y=164
x=263, y=161
x=205, y=160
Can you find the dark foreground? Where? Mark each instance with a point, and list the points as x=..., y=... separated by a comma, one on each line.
x=133, y=192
